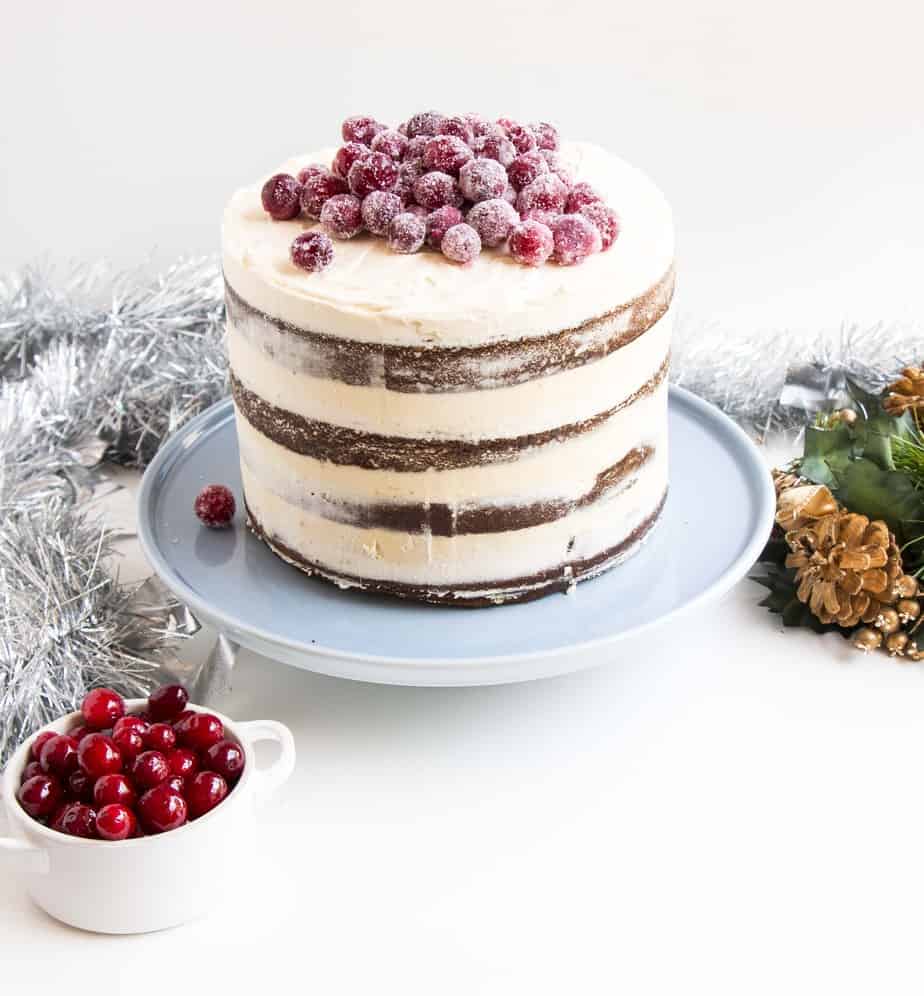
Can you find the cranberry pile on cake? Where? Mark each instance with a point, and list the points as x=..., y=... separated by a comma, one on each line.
x=449, y=344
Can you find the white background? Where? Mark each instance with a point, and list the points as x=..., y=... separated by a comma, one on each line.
x=719, y=808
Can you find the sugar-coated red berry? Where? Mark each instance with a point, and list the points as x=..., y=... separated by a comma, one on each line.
x=461, y=244
x=433, y=190
x=439, y=222
x=130, y=743
x=35, y=751
x=346, y=155
x=226, y=758
x=200, y=730
x=482, y=179
x=114, y=789
x=575, y=238
x=204, y=792
x=415, y=148
x=116, y=822
x=76, y=819
x=547, y=136
x=446, y=154
x=80, y=786
x=312, y=169
x=543, y=217
x=497, y=147
x=318, y=188
x=374, y=172
x=214, y=506
x=133, y=723
x=479, y=124
x=408, y=173
x=520, y=136
x=360, y=128
x=312, y=251
x=531, y=243
x=458, y=127
x=378, y=209
x=160, y=736
x=557, y=166
x=390, y=143
x=342, y=216
x=149, y=769
x=280, y=196
x=32, y=769
x=493, y=221
x=417, y=210
x=59, y=756
x=98, y=755
x=167, y=702
x=426, y=123
x=546, y=192
x=406, y=232
x=40, y=796
x=526, y=168
x=580, y=195
x=607, y=221
x=183, y=762
x=102, y=707
x=161, y=809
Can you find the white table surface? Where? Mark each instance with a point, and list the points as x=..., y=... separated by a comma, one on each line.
x=720, y=806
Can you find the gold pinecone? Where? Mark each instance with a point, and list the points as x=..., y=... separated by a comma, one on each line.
x=802, y=505
x=907, y=393
x=783, y=480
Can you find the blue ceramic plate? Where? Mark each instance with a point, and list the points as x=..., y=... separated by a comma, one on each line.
x=700, y=548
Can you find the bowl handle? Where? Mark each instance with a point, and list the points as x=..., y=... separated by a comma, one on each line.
x=267, y=780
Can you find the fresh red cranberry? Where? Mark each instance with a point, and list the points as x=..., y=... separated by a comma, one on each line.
x=200, y=731
x=98, y=755
x=79, y=732
x=32, y=769
x=160, y=736
x=497, y=147
x=130, y=743
x=150, y=769
x=342, y=216
x=183, y=762
x=280, y=196
x=531, y=243
x=312, y=251
x=434, y=190
x=461, y=244
x=521, y=137
x=185, y=714
x=311, y=170
x=408, y=174
x=204, y=792
x=35, y=752
x=446, y=154
x=580, y=195
x=406, y=232
x=167, y=702
x=102, y=707
x=76, y=819
x=360, y=128
x=576, y=238
x=493, y=221
x=439, y=222
x=605, y=219
x=378, y=209
x=59, y=756
x=116, y=822
x=114, y=789
x=459, y=128
x=215, y=506
x=547, y=136
x=226, y=758
x=133, y=724
x=426, y=123
x=390, y=143
x=318, y=189
x=546, y=192
x=375, y=172
x=176, y=783
x=482, y=179
x=346, y=155
x=526, y=168
x=80, y=786
x=40, y=796
x=161, y=809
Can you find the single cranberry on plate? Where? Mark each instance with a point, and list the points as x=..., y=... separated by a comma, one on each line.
x=183, y=762
x=76, y=819
x=167, y=702
x=102, y=707
x=160, y=736
x=280, y=197
x=116, y=822
x=114, y=789
x=161, y=809
x=204, y=792
x=40, y=796
x=200, y=730
x=98, y=755
x=226, y=758
x=59, y=755
x=214, y=506
x=149, y=769
x=312, y=251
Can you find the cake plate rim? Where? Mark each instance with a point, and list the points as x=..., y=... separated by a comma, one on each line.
x=446, y=671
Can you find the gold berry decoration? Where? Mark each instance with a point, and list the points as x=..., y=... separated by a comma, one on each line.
x=907, y=393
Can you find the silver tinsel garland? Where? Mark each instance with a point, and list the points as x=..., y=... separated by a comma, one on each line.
x=97, y=368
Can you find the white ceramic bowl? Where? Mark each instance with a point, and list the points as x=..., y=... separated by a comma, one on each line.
x=147, y=883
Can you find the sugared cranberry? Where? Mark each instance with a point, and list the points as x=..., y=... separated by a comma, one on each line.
x=547, y=136
x=312, y=251
x=200, y=730
x=204, y=792
x=116, y=822
x=439, y=222
x=114, y=788
x=342, y=216
x=543, y=217
x=493, y=221
x=80, y=786
x=280, y=196
x=160, y=736
x=417, y=210
x=32, y=769
x=375, y=172
x=161, y=809
x=576, y=238
x=98, y=755
x=546, y=192
x=35, y=752
x=346, y=155
x=531, y=243
x=360, y=128
x=133, y=723
x=521, y=137
x=102, y=707
x=482, y=179
x=478, y=123
x=40, y=796
x=526, y=168
x=176, y=783
x=434, y=190
x=415, y=148
x=214, y=506
x=497, y=147
x=59, y=756
x=580, y=195
x=461, y=244
x=150, y=769
x=226, y=758
x=606, y=220
x=406, y=232
x=390, y=143
x=408, y=173
x=557, y=166
x=446, y=154
x=459, y=128
x=510, y=195
x=319, y=188
x=378, y=210
x=130, y=743
x=426, y=123
x=76, y=819
x=310, y=170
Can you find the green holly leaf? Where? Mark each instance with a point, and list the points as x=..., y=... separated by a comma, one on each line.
x=889, y=495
